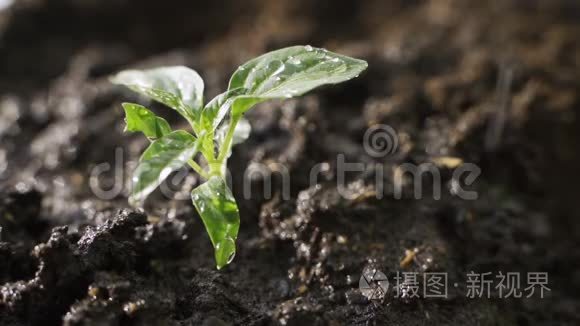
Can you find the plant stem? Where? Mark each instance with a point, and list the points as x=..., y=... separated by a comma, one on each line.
x=227, y=144
x=207, y=148
x=209, y=139
x=198, y=169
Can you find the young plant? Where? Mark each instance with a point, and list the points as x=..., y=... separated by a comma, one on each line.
x=218, y=125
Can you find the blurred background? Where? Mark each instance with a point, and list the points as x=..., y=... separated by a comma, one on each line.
x=491, y=83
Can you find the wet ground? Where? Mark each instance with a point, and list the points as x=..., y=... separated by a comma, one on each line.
x=493, y=85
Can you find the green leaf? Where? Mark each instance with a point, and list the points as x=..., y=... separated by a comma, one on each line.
x=216, y=109
x=219, y=212
x=139, y=118
x=162, y=157
x=177, y=87
x=290, y=72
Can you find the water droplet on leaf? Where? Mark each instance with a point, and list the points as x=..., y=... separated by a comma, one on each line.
x=225, y=251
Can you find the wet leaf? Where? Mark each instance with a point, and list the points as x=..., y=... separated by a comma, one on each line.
x=177, y=87
x=219, y=212
x=290, y=72
x=139, y=118
x=162, y=157
x=215, y=111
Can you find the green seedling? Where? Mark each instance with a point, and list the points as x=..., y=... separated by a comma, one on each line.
x=218, y=125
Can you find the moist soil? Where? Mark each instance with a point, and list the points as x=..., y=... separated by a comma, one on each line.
x=494, y=85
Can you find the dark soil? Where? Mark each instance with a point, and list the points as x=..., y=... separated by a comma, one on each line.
x=495, y=85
